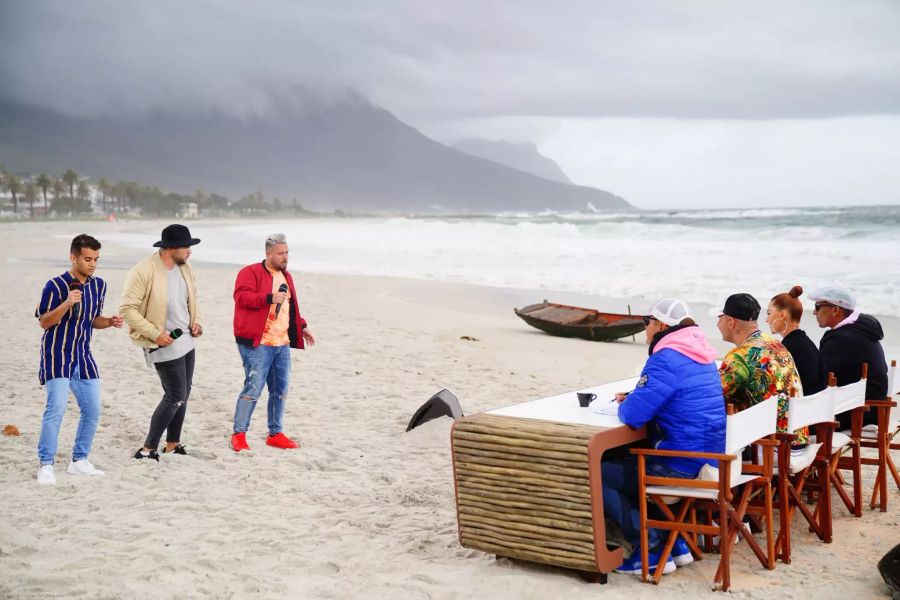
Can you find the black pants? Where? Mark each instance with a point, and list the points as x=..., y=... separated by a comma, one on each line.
x=175, y=376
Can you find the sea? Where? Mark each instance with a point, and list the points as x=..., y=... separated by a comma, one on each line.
x=699, y=256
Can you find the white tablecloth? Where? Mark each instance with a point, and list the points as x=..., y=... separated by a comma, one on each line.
x=564, y=408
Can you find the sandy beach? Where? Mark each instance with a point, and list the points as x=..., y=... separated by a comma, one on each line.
x=362, y=510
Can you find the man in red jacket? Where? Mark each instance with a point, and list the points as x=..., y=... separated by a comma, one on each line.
x=267, y=324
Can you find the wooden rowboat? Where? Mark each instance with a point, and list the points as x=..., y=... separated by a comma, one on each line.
x=573, y=321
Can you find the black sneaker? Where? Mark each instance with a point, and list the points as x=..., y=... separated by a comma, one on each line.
x=152, y=455
x=179, y=449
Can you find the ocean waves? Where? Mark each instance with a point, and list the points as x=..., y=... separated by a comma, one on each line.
x=699, y=256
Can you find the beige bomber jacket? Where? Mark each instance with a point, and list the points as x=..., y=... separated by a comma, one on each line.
x=145, y=300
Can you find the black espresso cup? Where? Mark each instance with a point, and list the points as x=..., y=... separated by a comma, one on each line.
x=585, y=398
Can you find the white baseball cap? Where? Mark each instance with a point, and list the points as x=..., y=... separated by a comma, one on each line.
x=837, y=296
x=670, y=311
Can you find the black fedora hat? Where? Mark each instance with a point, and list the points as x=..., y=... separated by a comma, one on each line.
x=176, y=236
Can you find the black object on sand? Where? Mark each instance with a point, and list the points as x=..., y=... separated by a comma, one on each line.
x=889, y=567
x=442, y=404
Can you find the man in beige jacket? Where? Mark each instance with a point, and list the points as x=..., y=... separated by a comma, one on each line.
x=160, y=304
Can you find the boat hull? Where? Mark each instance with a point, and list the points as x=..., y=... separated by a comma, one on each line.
x=576, y=322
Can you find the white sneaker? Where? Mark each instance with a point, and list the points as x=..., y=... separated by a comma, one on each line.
x=46, y=476
x=715, y=540
x=83, y=467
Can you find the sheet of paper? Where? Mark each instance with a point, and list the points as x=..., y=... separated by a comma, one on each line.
x=605, y=407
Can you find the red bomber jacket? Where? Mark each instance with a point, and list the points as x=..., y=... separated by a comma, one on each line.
x=252, y=301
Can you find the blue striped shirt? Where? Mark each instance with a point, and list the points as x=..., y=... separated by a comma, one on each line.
x=68, y=343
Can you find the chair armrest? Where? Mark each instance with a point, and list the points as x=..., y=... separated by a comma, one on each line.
x=881, y=403
x=766, y=442
x=682, y=454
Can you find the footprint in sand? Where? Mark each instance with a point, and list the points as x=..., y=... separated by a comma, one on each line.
x=201, y=455
x=326, y=568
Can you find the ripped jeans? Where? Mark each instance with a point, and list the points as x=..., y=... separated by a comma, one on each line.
x=175, y=376
x=268, y=366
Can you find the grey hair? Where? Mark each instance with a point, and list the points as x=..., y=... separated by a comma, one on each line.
x=275, y=239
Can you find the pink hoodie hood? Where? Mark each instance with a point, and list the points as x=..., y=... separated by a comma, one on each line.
x=849, y=320
x=691, y=342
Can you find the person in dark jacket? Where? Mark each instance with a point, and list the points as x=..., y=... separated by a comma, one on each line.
x=680, y=394
x=854, y=338
x=267, y=324
x=783, y=316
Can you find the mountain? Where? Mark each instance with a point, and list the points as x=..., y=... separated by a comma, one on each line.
x=347, y=154
x=524, y=157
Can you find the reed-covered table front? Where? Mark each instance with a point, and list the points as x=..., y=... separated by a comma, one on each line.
x=528, y=482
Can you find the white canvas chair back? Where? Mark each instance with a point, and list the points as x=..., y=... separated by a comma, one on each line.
x=742, y=429
x=850, y=396
x=809, y=410
x=745, y=427
x=804, y=411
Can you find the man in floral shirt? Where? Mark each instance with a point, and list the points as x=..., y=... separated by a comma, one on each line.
x=760, y=366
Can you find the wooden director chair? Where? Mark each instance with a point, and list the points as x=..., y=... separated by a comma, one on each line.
x=816, y=410
x=750, y=426
x=845, y=445
x=881, y=437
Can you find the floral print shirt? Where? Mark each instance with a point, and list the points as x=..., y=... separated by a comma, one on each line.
x=758, y=369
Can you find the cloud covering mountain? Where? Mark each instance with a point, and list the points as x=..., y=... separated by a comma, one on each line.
x=343, y=154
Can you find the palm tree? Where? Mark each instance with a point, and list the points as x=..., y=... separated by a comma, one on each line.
x=31, y=194
x=14, y=186
x=130, y=192
x=118, y=192
x=84, y=197
x=59, y=189
x=70, y=177
x=44, y=182
x=104, y=186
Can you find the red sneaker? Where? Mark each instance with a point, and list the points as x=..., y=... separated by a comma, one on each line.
x=279, y=440
x=239, y=442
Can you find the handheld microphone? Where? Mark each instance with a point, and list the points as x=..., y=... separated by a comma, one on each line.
x=281, y=288
x=76, y=308
x=175, y=334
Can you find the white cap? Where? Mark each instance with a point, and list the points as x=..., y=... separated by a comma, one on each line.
x=670, y=311
x=834, y=295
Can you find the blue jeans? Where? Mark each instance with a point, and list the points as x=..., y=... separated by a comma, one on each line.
x=87, y=394
x=268, y=366
x=620, y=491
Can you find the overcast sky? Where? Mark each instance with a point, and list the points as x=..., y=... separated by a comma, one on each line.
x=668, y=104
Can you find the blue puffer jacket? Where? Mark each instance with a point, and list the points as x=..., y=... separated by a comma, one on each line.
x=680, y=392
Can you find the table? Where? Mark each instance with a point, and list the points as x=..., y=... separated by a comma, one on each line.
x=527, y=480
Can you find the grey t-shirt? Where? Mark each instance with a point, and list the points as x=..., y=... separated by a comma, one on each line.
x=177, y=317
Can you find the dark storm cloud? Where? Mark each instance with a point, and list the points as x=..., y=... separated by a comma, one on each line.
x=451, y=60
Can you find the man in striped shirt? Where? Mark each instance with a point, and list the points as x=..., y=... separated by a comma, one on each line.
x=68, y=313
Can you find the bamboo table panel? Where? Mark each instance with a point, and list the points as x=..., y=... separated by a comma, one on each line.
x=530, y=489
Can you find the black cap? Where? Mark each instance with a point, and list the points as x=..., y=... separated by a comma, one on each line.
x=742, y=307
x=176, y=236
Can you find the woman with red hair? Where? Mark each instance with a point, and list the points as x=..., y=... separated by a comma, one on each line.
x=783, y=316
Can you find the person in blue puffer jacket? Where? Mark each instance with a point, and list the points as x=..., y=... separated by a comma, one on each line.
x=679, y=396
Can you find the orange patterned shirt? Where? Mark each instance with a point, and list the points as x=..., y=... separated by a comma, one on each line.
x=275, y=332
